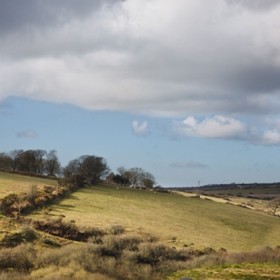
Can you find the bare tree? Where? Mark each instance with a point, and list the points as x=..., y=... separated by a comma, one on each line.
x=39, y=160
x=148, y=180
x=15, y=156
x=52, y=164
x=5, y=161
x=136, y=177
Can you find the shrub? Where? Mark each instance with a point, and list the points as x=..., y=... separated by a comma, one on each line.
x=96, y=235
x=12, y=239
x=116, y=229
x=19, y=259
x=61, y=256
x=8, y=204
x=27, y=234
x=150, y=238
x=152, y=254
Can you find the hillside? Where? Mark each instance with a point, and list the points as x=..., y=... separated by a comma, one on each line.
x=178, y=220
x=125, y=233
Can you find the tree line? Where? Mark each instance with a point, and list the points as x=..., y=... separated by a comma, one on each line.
x=86, y=169
x=37, y=162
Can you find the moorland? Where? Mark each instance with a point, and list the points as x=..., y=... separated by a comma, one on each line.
x=109, y=231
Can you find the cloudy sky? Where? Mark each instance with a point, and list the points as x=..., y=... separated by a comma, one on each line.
x=187, y=89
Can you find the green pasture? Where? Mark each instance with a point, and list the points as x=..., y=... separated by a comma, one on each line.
x=177, y=220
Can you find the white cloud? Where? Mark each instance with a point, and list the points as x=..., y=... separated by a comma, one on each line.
x=140, y=128
x=261, y=132
x=27, y=134
x=215, y=127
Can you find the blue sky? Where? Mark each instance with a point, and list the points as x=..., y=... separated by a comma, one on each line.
x=187, y=90
x=173, y=159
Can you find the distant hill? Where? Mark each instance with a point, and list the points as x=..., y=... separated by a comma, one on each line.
x=231, y=186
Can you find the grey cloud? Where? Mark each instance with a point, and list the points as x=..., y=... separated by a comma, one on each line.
x=257, y=5
x=188, y=164
x=55, y=28
x=258, y=77
x=16, y=14
x=192, y=57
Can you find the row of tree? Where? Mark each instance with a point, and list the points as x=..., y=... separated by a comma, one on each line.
x=38, y=162
x=87, y=169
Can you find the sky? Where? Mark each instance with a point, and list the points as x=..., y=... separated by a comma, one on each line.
x=187, y=90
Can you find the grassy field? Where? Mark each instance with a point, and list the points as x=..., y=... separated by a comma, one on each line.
x=13, y=183
x=177, y=220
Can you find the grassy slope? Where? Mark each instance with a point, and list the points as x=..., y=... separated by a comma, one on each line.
x=12, y=183
x=202, y=222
